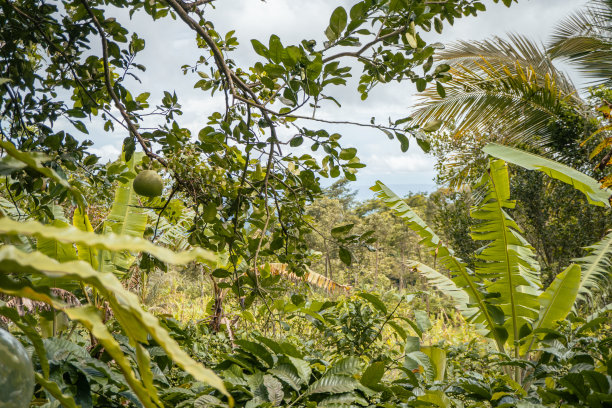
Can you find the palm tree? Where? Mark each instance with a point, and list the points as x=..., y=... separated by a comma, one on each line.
x=510, y=85
x=509, y=90
x=585, y=40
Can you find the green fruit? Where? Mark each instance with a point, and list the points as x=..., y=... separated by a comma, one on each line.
x=148, y=183
x=16, y=373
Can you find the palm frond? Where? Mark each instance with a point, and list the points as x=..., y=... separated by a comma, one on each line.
x=488, y=97
x=500, y=52
x=311, y=277
x=507, y=263
x=596, y=268
x=585, y=39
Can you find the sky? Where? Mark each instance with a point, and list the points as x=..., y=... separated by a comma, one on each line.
x=170, y=45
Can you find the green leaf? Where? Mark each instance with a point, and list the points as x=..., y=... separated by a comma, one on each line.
x=333, y=384
x=85, y=253
x=437, y=356
x=373, y=374
x=57, y=250
x=256, y=350
x=346, y=366
x=137, y=323
x=276, y=49
x=338, y=232
x=464, y=279
x=52, y=388
x=440, y=89
x=337, y=23
x=348, y=153
x=274, y=389
x=432, y=125
x=421, y=84
x=507, y=262
x=422, y=320
x=412, y=41
x=345, y=256
x=303, y=368
x=557, y=300
x=566, y=174
x=36, y=162
x=259, y=48
x=374, y=301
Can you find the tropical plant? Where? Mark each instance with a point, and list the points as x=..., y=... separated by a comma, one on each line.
x=503, y=293
x=585, y=39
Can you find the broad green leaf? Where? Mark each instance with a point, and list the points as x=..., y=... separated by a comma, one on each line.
x=346, y=366
x=463, y=278
x=126, y=217
x=337, y=23
x=345, y=256
x=52, y=388
x=108, y=242
x=437, y=356
x=137, y=323
x=60, y=251
x=373, y=374
x=374, y=301
x=557, y=300
x=507, y=263
x=587, y=185
x=303, y=368
x=333, y=384
x=422, y=320
x=436, y=397
x=85, y=253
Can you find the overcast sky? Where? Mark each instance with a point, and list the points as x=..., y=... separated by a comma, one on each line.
x=170, y=44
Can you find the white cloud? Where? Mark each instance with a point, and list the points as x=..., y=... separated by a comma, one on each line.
x=170, y=44
x=389, y=164
x=106, y=152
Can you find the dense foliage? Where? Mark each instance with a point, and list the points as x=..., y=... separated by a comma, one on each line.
x=209, y=267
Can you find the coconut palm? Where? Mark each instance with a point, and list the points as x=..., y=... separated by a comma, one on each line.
x=507, y=85
x=510, y=91
x=585, y=39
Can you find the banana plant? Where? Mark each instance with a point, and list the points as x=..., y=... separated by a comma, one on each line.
x=504, y=294
x=65, y=254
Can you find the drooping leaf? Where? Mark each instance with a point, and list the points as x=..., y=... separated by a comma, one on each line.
x=596, y=268
x=137, y=323
x=566, y=174
x=107, y=242
x=462, y=277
